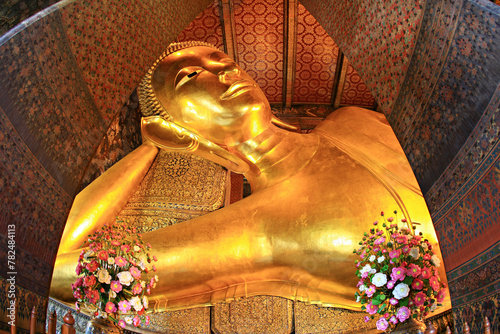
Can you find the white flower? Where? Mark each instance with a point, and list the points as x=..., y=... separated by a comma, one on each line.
x=436, y=260
x=379, y=279
x=137, y=248
x=136, y=303
x=145, y=301
x=128, y=320
x=424, y=245
x=367, y=269
x=143, y=284
x=125, y=278
x=362, y=287
x=144, y=261
x=414, y=253
x=358, y=298
x=112, y=294
x=156, y=278
x=372, y=258
x=111, y=260
x=401, y=291
x=381, y=259
x=103, y=276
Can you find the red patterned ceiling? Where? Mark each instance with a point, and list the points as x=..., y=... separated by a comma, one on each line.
x=256, y=33
x=259, y=39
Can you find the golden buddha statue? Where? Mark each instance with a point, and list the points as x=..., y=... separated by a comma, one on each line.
x=313, y=195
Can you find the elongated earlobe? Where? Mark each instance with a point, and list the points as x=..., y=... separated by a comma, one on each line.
x=173, y=137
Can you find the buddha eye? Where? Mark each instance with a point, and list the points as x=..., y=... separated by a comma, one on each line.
x=186, y=74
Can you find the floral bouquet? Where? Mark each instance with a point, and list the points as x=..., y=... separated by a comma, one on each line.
x=398, y=274
x=116, y=275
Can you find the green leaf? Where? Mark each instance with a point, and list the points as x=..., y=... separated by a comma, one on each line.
x=404, y=301
x=382, y=308
x=408, y=280
x=376, y=301
x=382, y=296
x=384, y=268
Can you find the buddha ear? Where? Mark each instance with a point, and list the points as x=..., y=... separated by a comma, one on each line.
x=173, y=137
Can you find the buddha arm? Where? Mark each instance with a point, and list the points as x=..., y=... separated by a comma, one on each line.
x=101, y=201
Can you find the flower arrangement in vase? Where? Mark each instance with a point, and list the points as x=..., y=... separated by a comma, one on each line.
x=398, y=274
x=116, y=274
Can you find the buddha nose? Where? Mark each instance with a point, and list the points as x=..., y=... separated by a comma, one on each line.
x=229, y=73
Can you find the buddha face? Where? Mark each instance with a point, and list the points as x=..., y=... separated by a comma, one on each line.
x=206, y=92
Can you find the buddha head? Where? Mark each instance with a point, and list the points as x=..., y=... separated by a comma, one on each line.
x=200, y=89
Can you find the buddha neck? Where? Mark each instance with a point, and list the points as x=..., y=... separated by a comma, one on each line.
x=275, y=155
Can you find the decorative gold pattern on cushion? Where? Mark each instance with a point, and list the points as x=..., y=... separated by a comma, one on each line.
x=178, y=187
x=195, y=320
x=259, y=314
x=328, y=320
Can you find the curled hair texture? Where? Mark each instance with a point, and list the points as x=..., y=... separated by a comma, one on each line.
x=150, y=106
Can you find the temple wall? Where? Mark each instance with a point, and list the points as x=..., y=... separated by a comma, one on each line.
x=66, y=76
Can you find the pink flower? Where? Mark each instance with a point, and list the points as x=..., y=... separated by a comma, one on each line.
x=122, y=323
x=77, y=294
x=403, y=313
x=116, y=286
x=137, y=289
x=405, y=249
x=136, y=321
x=393, y=320
x=367, y=318
x=398, y=273
x=371, y=309
x=79, y=268
x=89, y=281
x=78, y=283
x=427, y=257
x=426, y=273
x=382, y=324
x=135, y=272
x=393, y=301
x=402, y=239
x=379, y=240
x=417, y=284
x=115, y=243
x=390, y=284
x=419, y=299
x=361, y=281
x=110, y=307
x=390, y=219
x=434, y=283
x=125, y=248
x=92, y=266
x=120, y=261
x=124, y=306
x=394, y=253
x=440, y=296
x=148, y=318
x=413, y=270
x=155, y=258
x=371, y=290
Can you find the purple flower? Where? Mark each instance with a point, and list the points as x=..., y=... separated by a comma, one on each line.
x=382, y=324
x=403, y=313
x=367, y=318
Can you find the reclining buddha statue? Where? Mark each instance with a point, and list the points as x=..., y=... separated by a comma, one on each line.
x=313, y=195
